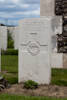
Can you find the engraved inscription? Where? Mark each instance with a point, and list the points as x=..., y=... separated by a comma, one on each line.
x=33, y=48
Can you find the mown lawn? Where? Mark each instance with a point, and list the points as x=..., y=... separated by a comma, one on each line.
x=10, y=64
x=15, y=97
x=10, y=72
x=59, y=77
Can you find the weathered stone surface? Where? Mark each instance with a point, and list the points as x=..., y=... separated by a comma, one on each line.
x=35, y=50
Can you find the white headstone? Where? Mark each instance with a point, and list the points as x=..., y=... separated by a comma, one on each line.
x=35, y=50
x=3, y=37
x=16, y=37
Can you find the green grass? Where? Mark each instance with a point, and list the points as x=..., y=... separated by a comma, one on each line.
x=59, y=77
x=15, y=97
x=10, y=64
x=12, y=78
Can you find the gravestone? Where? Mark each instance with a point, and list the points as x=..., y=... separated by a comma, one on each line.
x=16, y=37
x=35, y=50
x=3, y=37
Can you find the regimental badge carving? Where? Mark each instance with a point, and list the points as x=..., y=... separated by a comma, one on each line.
x=33, y=48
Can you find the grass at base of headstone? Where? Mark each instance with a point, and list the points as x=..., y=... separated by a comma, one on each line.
x=10, y=65
x=17, y=97
x=59, y=77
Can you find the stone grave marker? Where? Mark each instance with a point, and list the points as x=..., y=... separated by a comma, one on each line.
x=35, y=50
x=16, y=37
x=3, y=37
